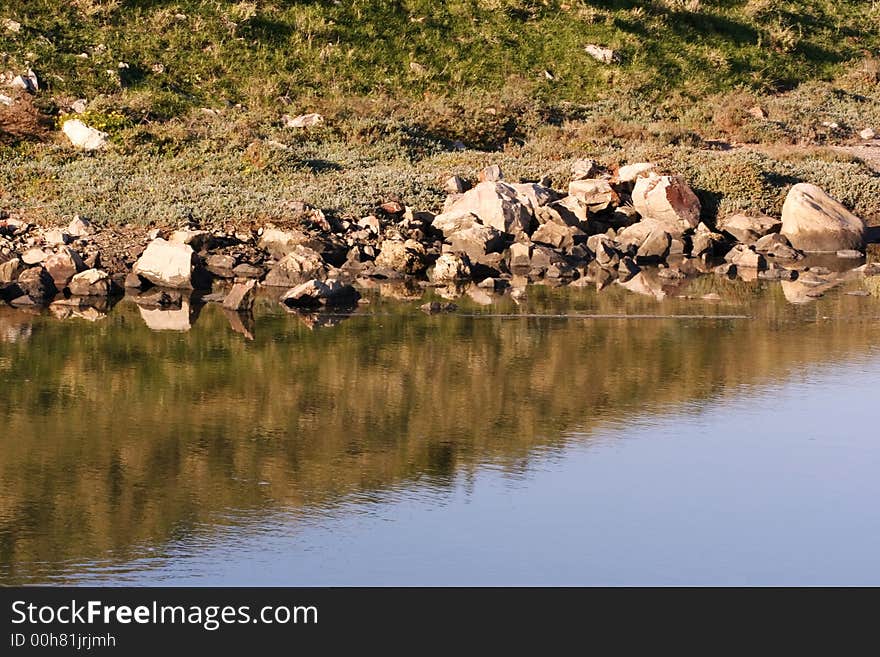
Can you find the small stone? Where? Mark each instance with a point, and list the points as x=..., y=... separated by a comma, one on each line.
x=302, y=121
x=455, y=185
x=134, y=282
x=84, y=137
x=450, y=267
x=867, y=134
x=602, y=54
x=9, y=270
x=583, y=169
x=850, y=254
x=595, y=193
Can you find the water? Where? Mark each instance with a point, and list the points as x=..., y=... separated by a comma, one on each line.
x=573, y=438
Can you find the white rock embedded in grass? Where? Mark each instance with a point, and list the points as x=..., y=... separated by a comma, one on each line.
x=84, y=137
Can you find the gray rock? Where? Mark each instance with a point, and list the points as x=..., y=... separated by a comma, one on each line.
x=63, y=266
x=37, y=284
x=405, y=257
x=747, y=229
x=166, y=264
x=90, y=283
x=298, y=266
x=247, y=270
x=9, y=270
x=450, y=267
x=655, y=247
x=813, y=221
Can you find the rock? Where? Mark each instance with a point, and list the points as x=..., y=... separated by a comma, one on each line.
x=667, y=200
x=456, y=185
x=850, y=254
x=90, y=283
x=302, y=121
x=631, y=172
x=199, y=240
x=298, y=266
x=519, y=256
x=568, y=211
x=314, y=293
x=450, y=267
x=63, y=266
x=867, y=134
x=55, y=237
x=705, y=241
x=777, y=246
x=166, y=264
x=743, y=256
x=247, y=270
x=746, y=229
x=477, y=240
x=405, y=257
x=9, y=270
x=595, y=193
x=602, y=54
x=544, y=258
x=28, y=82
x=633, y=236
x=221, y=265
x=627, y=268
x=539, y=195
x=80, y=227
x=278, y=243
x=84, y=137
x=728, y=269
x=37, y=284
x=495, y=204
x=583, y=169
x=655, y=247
x=241, y=296
x=134, y=282
x=491, y=174
x=815, y=222
x=555, y=235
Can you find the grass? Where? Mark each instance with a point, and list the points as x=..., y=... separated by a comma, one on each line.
x=192, y=94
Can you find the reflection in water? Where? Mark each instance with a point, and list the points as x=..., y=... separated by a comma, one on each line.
x=119, y=441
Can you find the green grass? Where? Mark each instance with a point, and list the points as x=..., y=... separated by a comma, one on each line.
x=401, y=82
x=189, y=53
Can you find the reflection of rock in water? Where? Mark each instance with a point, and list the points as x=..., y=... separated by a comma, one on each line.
x=172, y=318
x=322, y=319
x=242, y=323
x=809, y=287
x=15, y=327
x=88, y=308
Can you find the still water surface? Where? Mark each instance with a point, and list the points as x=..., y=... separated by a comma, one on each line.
x=731, y=441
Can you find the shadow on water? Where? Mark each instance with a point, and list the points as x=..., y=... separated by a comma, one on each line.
x=118, y=438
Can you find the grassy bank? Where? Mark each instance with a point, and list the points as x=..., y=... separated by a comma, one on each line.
x=192, y=94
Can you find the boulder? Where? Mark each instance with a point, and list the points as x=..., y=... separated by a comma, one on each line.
x=456, y=185
x=568, y=211
x=37, y=284
x=631, y=172
x=278, y=243
x=298, y=266
x=813, y=221
x=221, y=265
x=405, y=257
x=667, y=200
x=778, y=246
x=247, y=270
x=704, y=241
x=166, y=264
x=450, y=267
x=655, y=247
x=197, y=239
x=241, y=296
x=746, y=229
x=90, y=283
x=34, y=256
x=9, y=270
x=314, y=293
x=477, y=240
x=491, y=173
x=583, y=169
x=80, y=227
x=84, y=137
x=519, y=255
x=555, y=235
x=595, y=193
x=495, y=204
x=742, y=256
x=63, y=266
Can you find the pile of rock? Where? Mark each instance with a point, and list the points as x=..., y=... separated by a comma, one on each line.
x=604, y=226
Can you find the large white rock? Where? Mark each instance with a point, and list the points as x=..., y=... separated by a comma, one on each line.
x=166, y=264
x=84, y=137
x=815, y=222
x=495, y=204
x=667, y=200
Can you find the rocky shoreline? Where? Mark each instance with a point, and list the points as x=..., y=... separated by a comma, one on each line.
x=632, y=226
